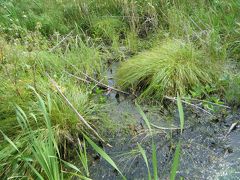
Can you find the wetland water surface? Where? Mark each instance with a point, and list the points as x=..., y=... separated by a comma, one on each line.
x=206, y=151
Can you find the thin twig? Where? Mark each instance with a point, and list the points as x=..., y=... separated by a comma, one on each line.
x=52, y=49
x=165, y=128
x=222, y=105
x=81, y=79
x=99, y=84
x=104, y=85
x=231, y=128
x=81, y=118
x=193, y=105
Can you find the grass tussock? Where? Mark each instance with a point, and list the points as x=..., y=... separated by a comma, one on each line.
x=21, y=69
x=35, y=153
x=174, y=66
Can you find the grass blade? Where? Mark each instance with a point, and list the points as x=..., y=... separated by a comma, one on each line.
x=36, y=172
x=9, y=141
x=143, y=152
x=181, y=113
x=82, y=154
x=77, y=175
x=103, y=154
x=154, y=161
x=70, y=165
x=175, y=162
x=144, y=117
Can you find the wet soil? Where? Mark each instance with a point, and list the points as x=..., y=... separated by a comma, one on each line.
x=207, y=151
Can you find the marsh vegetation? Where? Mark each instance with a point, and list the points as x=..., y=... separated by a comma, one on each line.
x=111, y=89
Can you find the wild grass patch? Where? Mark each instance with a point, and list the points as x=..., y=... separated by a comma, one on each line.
x=21, y=69
x=35, y=152
x=174, y=66
x=56, y=37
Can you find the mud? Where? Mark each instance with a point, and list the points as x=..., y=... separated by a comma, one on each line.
x=207, y=152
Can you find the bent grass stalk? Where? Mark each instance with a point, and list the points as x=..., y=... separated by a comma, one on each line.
x=103, y=154
x=143, y=153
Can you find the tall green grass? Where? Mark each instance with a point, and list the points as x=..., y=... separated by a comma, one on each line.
x=213, y=25
x=38, y=150
x=44, y=159
x=45, y=152
x=21, y=68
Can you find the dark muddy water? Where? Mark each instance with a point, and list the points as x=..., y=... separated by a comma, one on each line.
x=206, y=151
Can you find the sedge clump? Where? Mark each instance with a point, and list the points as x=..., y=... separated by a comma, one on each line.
x=170, y=68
